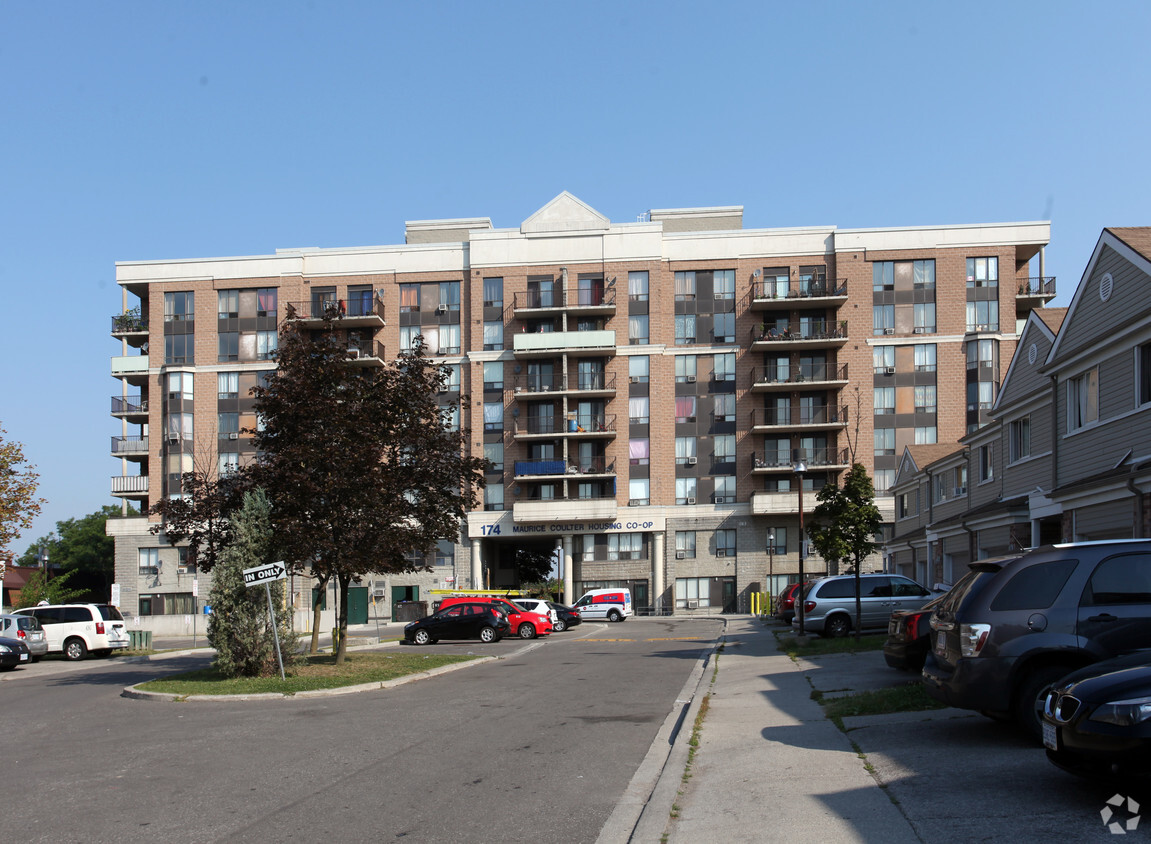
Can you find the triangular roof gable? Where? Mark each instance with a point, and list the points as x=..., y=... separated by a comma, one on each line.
x=1116, y=244
x=1038, y=334
x=565, y=213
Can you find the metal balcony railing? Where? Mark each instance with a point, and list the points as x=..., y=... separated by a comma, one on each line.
x=129, y=445
x=1038, y=286
x=126, y=484
x=604, y=423
x=128, y=324
x=830, y=415
x=129, y=404
x=798, y=373
x=337, y=309
x=814, y=457
x=761, y=290
x=816, y=330
x=583, y=298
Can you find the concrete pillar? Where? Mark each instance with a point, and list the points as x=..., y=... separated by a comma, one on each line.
x=477, y=566
x=569, y=579
x=657, y=566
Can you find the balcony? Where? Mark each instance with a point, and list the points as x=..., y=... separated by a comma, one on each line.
x=565, y=510
x=358, y=312
x=584, y=427
x=549, y=343
x=768, y=295
x=768, y=420
x=597, y=466
x=132, y=327
x=1042, y=288
x=130, y=447
x=775, y=463
x=536, y=303
x=367, y=355
x=132, y=368
x=768, y=379
x=132, y=408
x=130, y=486
x=817, y=334
x=781, y=503
x=589, y=384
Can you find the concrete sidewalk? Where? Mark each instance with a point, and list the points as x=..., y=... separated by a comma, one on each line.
x=769, y=763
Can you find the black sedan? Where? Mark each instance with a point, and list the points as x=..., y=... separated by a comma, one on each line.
x=909, y=637
x=565, y=615
x=13, y=652
x=1097, y=720
x=459, y=621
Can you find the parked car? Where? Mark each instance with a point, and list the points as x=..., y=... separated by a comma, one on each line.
x=829, y=602
x=1013, y=626
x=1097, y=720
x=76, y=630
x=565, y=616
x=460, y=620
x=525, y=624
x=27, y=630
x=785, y=603
x=13, y=652
x=540, y=607
x=612, y=604
x=909, y=637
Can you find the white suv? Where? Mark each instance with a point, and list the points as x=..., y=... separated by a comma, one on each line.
x=537, y=606
x=76, y=630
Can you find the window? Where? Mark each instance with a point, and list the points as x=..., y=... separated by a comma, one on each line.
x=639, y=491
x=180, y=427
x=266, y=344
x=180, y=386
x=493, y=335
x=882, y=359
x=450, y=295
x=723, y=284
x=684, y=329
x=925, y=358
x=494, y=375
x=776, y=282
x=981, y=353
x=685, y=408
x=723, y=328
x=638, y=368
x=908, y=504
x=1143, y=373
x=149, y=561
x=493, y=292
x=449, y=340
x=494, y=454
x=924, y=315
x=169, y=603
x=724, y=367
x=961, y=480
x=982, y=316
x=685, y=544
x=725, y=543
x=685, y=490
x=884, y=400
x=452, y=417
x=494, y=497
x=925, y=399
x=445, y=552
x=624, y=546
x=684, y=286
x=639, y=453
x=409, y=298
x=691, y=592
x=983, y=272
x=986, y=462
x=228, y=345
x=179, y=306
x=883, y=276
x=685, y=451
x=813, y=281
x=1122, y=579
x=228, y=304
x=637, y=281
x=685, y=369
x=725, y=491
x=493, y=416
x=227, y=385
x=637, y=410
x=883, y=319
x=452, y=382
x=939, y=492
x=925, y=435
x=182, y=564
x=924, y=272
x=884, y=479
x=229, y=463
x=724, y=448
x=884, y=442
x=179, y=348
x=637, y=328
x=1083, y=400
x=266, y=302
x=228, y=423
x=724, y=407
x=1019, y=436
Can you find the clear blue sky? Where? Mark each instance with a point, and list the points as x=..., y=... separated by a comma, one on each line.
x=179, y=130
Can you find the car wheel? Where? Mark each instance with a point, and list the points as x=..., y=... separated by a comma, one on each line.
x=75, y=649
x=35, y=659
x=837, y=626
x=422, y=637
x=7, y=667
x=1029, y=696
x=527, y=631
x=559, y=625
x=614, y=616
x=488, y=635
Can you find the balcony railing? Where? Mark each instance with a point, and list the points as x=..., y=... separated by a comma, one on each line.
x=771, y=290
x=1038, y=286
x=798, y=373
x=128, y=405
x=601, y=424
x=768, y=417
x=129, y=484
x=129, y=445
x=559, y=341
x=814, y=457
x=357, y=307
x=817, y=330
x=128, y=324
x=545, y=299
x=596, y=465
x=557, y=382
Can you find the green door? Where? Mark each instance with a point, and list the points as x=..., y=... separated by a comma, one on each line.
x=403, y=593
x=357, y=605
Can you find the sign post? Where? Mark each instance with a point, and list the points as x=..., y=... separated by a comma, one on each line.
x=265, y=574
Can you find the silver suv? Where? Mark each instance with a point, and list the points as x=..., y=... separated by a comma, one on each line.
x=829, y=602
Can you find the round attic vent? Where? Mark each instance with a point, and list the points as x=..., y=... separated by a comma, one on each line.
x=1032, y=354
x=1106, y=285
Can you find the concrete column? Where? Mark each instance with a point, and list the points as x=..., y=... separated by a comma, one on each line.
x=657, y=566
x=569, y=578
x=477, y=566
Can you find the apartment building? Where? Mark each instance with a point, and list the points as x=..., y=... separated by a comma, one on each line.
x=1066, y=454
x=643, y=390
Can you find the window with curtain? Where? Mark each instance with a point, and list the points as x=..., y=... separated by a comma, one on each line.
x=149, y=561
x=228, y=422
x=493, y=292
x=776, y=282
x=777, y=540
x=685, y=490
x=884, y=401
x=637, y=329
x=684, y=329
x=723, y=282
x=884, y=442
x=882, y=319
x=925, y=398
x=925, y=435
x=685, y=543
x=924, y=316
x=725, y=542
x=266, y=344
x=883, y=357
x=452, y=384
x=724, y=448
x=409, y=298
x=493, y=375
x=266, y=301
x=924, y=273
x=624, y=546
x=639, y=491
x=452, y=417
x=925, y=358
x=983, y=272
x=179, y=306
x=638, y=452
x=493, y=416
x=685, y=408
x=229, y=463
x=228, y=304
x=637, y=281
x=982, y=316
x=695, y=590
x=638, y=410
x=494, y=497
x=493, y=335
x=227, y=385
x=883, y=276
x=724, y=407
x=638, y=368
x=449, y=339
x=450, y=294
x=684, y=285
x=408, y=335
x=494, y=454
x=180, y=385
x=684, y=450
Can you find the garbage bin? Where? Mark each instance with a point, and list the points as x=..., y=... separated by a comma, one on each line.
x=140, y=640
x=411, y=610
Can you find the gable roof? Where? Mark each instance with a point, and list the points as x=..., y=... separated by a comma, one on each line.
x=1034, y=342
x=565, y=213
x=1137, y=237
x=916, y=458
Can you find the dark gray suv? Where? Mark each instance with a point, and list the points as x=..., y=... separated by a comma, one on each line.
x=1013, y=626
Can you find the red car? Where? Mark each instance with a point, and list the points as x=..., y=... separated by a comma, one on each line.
x=785, y=603
x=526, y=625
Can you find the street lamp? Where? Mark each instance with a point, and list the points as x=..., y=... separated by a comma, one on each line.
x=770, y=567
x=799, y=467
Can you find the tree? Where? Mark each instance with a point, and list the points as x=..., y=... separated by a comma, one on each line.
x=845, y=523
x=359, y=462
x=18, y=482
x=81, y=546
x=239, y=627
x=533, y=565
x=200, y=516
x=54, y=591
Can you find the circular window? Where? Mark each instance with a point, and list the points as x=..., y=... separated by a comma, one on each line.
x=1106, y=285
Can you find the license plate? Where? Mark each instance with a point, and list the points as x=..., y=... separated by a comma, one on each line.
x=23, y=657
x=1050, y=736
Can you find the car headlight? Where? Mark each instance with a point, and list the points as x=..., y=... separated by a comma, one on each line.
x=4, y=649
x=1123, y=713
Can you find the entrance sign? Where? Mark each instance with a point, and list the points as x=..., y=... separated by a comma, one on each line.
x=268, y=572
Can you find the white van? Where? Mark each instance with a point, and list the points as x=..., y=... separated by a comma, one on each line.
x=612, y=604
x=76, y=630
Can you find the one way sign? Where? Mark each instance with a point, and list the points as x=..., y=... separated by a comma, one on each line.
x=265, y=574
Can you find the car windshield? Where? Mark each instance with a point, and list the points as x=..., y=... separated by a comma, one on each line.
x=109, y=612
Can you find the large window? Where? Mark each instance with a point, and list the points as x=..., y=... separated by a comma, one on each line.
x=983, y=272
x=638, y=410
x=1083, y=400
x=884, y=442
x=723, y=284
x=685, y=369
x=637, y=281
x=227, y=385
x=926, y=435
x=882, y=276
x=409, y=298
x=883, y=359
x=266, y=344
x=684, y=286
x=179, y=306
x=624, y=546
x=724, y=407
x=685, y=544
x=924, y=272
x=724, y=448
x=639, y=451
x=724, y=367
x=181, y=386
x=684, y=329
x=982, y=316
x=883, y=319
x=685, y=408
x=725, y=490
x=228, y=343
x=149, y=561
x=493, y=375
x=924, y=315
x=638, y=368
x=266, y=298
x=639, y=491
x=692, y=592
x=723, y=328
x=450, y=295
x=227, y=304
x=493, y=335
x=493, y=416
x=685, y=454
x=169, y=603
x=494, y=497
x=179, y=348
x=925, y=398
x=494, y=454
x=925, y=358
x=884, y=400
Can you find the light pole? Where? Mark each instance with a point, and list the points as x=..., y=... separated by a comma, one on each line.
x=799, y=467
x=770, y=569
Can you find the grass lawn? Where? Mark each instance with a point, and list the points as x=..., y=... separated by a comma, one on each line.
x=818, y=645
x=909, y=698
x=318, y=671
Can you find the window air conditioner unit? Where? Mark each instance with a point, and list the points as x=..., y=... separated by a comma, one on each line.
x=681, y=555
x=720, y=296
x=379, y=593
x=441, y=309
x=720, y=499
x=173, y=396
x=889, y=331
x=691, y=461
x=633, y=379
x=919, y=329
x=691, y=501
x=173, y=438
x=633, y=502
x=233, y=436
x=693, y=605
x=691, y=379
x=353, y=352
x=889, y=370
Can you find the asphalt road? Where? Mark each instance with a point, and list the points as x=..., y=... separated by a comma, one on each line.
x=537, y=746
